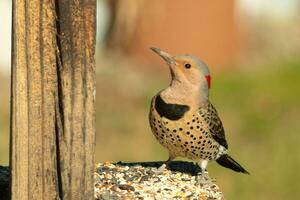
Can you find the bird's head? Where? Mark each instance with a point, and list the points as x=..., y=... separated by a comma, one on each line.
x=187, y=69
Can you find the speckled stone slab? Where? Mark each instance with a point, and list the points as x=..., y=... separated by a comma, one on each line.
x=145, y=181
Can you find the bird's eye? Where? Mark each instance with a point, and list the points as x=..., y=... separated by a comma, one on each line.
x=187, y=65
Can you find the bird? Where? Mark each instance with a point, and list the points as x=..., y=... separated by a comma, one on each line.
x=183, y=119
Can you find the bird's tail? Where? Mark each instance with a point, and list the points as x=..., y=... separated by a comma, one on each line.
x=228, y=162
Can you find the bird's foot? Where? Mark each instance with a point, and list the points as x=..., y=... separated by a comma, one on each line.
x=203, y=178
x=161, y=169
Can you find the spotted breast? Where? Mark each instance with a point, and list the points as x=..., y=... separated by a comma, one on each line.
x=184, y=133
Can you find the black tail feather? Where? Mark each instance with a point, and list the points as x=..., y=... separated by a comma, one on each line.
x=228, y=162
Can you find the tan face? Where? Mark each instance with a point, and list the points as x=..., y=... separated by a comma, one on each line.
x=186, y=69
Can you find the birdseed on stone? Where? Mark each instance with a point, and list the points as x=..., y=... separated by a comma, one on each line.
x=137, y=181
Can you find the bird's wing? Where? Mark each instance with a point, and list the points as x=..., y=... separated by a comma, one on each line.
x=213, y=123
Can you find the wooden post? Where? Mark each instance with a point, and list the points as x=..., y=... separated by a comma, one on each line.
x=52, y=99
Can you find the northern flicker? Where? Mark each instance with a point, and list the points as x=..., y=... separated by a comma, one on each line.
x=182, y=118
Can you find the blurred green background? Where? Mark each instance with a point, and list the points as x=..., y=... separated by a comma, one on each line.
x=253, y=50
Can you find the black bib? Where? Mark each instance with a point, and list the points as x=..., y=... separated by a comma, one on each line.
x=170, y=111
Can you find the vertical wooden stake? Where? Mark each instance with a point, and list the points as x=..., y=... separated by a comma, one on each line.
x=52, y=99
x=76, y=36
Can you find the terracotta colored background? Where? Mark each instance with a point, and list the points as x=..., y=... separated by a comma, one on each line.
x=204, y=28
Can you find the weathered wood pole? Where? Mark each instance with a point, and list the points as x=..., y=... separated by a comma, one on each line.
x=53, y=99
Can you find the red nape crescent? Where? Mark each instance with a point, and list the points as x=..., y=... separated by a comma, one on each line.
x=208, y=79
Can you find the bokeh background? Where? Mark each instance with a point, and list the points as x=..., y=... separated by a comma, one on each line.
x=252, y=48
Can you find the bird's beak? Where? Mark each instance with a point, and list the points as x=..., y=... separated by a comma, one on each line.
x=167, y=57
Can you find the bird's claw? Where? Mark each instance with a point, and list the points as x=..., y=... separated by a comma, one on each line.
x=203, y=178
x=161, y=169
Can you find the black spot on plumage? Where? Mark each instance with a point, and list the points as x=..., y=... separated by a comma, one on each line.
x=170, y=111
x=174, y=131
x=180, y=129
x=191, y=128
